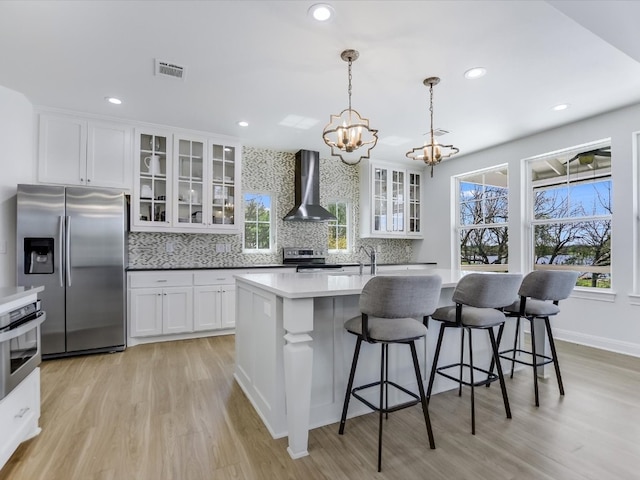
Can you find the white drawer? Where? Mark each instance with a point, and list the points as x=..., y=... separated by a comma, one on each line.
x=160, y=279
x=19, y=413
x=215, y=277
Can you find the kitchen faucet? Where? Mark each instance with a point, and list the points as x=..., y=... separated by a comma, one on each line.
x=371, y=251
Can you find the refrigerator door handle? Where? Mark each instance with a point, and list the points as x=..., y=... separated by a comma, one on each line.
x=68, y=253
x=60, y=262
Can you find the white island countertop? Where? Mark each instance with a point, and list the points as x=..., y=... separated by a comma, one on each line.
x=11, y=294
x=305, y=285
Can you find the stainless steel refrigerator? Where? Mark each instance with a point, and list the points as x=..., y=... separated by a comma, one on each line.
x=72, y=241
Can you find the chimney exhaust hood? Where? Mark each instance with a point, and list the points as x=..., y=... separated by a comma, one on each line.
x=307, y=190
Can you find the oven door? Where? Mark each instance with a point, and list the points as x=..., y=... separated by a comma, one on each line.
x=20, y=352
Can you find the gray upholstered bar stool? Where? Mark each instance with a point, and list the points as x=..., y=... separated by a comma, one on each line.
x=390, y=308
x=540, y=293
x=478, y=298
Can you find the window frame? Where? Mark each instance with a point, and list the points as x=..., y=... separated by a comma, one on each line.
x=272, y=224
x=459, y=227
x=601, y=293
x=348, y=226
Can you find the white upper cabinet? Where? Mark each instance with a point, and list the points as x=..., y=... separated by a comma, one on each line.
x=390, y=201
x=185, y=183
x=151, y=204
x=78, y=151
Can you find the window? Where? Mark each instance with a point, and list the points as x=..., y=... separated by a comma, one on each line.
x=339, y=228
x=482, y=209
x=571, y=213
x=258, y=222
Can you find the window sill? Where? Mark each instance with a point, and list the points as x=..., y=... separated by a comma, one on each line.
x=599, y=294
x=634, y=299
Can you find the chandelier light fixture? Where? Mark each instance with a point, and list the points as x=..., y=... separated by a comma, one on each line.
x=432, y=152
x=347, y=132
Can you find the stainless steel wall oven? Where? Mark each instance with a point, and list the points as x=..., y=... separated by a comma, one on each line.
x=20, y=346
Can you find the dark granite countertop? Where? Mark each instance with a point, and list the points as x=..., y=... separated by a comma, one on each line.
x=265, y=266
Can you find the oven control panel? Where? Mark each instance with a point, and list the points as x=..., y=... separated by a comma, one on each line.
x=303, y=255
x=20, y=314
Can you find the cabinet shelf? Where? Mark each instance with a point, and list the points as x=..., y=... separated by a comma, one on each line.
x=151, y=175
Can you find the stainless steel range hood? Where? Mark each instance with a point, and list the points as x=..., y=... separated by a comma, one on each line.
x=307, y=188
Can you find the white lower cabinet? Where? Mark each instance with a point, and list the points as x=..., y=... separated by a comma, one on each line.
x=160, y=311
x=215, y=300
x=214, y=307
x=168, y=305
x=145, y=308
x=19, y=414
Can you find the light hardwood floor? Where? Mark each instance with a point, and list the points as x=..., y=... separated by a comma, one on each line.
x=173, y=411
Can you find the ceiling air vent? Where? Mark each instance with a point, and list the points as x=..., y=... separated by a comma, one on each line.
x=167, y=69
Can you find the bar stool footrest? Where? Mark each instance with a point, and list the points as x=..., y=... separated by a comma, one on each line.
x=393, y=408
x=503, y=354
x=490, y=376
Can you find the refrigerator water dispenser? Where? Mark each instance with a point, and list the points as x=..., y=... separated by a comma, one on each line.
x=38, y=256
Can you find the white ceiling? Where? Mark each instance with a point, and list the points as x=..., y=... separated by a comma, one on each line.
x=263, y=60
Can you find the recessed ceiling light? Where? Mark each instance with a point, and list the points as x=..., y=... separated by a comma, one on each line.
x=114, y=100
x=242, y=123
x=560, y=107
x=475, y=72
x=321, y=12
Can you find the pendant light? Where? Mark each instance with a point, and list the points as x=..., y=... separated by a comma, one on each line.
x=432, y=152
x=348, y=132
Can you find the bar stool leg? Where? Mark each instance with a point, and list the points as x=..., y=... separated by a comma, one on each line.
x=347, y=396
x=503, y=387
x=462, y=358
x=381, y=415
x=423, y=398
x=534, y=362
x=386, y=376
x=471, y=381
x=515, y=344
x=493, y=361
x=435, y=362
x=555, y=355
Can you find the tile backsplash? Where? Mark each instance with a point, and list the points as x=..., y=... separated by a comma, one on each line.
x=270, y=172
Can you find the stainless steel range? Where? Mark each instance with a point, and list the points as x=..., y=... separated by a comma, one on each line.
x=308, y=260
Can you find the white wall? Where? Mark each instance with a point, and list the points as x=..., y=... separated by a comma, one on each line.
x=611, y=322
x=17, y=165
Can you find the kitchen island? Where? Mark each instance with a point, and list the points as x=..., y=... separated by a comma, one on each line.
x=20, y=408
x=293, y=354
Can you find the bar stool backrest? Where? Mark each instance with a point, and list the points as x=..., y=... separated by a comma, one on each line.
x=487, y=290
x=552, y=285
x=413, y=296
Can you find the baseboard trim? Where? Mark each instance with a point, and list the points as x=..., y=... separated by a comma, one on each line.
x=617, y=346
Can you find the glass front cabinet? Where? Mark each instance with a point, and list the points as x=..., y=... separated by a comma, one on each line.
x=185, y=183
x=390, y=201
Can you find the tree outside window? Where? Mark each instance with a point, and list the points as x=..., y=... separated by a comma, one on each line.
x=339, y=228
x=257, y=222
x=571, y=215
x=482, y=220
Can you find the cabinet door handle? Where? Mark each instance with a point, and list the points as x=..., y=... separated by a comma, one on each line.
x=88, y=180
x=22, y=412
x=161, y=281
